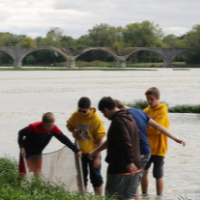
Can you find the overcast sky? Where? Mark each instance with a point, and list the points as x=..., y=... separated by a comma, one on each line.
x=75, y=17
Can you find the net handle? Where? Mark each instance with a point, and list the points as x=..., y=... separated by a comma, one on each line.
x=80, y=167
x=26, y=169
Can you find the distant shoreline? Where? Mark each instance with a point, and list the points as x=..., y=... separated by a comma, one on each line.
x=72, y=69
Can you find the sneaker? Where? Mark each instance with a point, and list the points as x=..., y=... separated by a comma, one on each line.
x=145, y=194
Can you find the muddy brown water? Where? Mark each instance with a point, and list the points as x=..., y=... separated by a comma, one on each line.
x=26, y=95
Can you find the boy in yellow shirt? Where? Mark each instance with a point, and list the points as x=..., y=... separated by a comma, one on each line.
x=88, y=128
x=157, y=141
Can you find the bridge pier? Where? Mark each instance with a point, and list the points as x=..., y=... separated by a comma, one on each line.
x=17, y=63
x=121, y=62
x=167, y=63
x=71, y=62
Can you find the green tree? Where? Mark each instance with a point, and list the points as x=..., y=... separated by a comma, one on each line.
x=67, y=41
x=84, y=40
x=192, y=40
x=104, y=35
x=144, y=34
x=30, y=60
x=116, y=45
x=170, y=40
x=29, y=43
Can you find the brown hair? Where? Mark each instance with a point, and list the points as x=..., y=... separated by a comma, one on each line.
x=48, y=117
x=153, y=91
x=119, y=104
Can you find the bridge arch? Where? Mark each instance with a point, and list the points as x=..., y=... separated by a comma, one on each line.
x=7, y=52
x=2, y=50
x=180, y=52
x=145, y=49
x=97, y=49
x=44, y=48
x=26, y=52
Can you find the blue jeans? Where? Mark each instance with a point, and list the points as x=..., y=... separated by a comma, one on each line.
x=95, y=174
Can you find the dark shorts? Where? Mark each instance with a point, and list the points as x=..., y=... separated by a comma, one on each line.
x=95, y=174
x=145, y=159
x=122, y=186
x=158, y=170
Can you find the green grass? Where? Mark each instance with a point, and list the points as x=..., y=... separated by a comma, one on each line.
x=73, y=69
x=98, y=63
x=185, y=109
x=141, y=104
x=10, y=189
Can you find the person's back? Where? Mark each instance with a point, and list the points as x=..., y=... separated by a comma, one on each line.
x=123, y=151
x=117, y=157
x=141, y=120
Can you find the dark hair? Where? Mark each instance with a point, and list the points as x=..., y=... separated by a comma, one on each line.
x=153, y=91
x=48, y=117
x=84, y=102
x=107, y=102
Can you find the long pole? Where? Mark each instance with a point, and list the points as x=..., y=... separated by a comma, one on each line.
x=80, y=168
x=26, y=168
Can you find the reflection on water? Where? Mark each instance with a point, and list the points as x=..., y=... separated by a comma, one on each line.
x=26, y=95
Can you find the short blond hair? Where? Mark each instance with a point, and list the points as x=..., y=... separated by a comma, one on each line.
x=48, y=117
x=153, y=91
x=119, y=104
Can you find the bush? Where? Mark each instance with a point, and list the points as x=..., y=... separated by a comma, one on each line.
x=141, y=104
x=36, y=190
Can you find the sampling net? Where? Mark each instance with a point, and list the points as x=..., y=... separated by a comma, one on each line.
x=61, y=166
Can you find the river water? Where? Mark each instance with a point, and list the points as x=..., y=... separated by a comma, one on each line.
x=26, y=95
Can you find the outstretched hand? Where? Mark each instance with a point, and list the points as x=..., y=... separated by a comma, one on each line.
x=180, y=141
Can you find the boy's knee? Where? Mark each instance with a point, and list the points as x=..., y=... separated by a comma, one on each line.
x=97, y=181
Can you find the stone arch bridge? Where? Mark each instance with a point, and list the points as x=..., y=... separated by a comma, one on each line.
x=18, y=54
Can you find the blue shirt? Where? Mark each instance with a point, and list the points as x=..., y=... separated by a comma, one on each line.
x=141, y=119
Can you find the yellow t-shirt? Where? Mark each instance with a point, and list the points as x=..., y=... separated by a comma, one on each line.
x=157, y=140
x=90, y=129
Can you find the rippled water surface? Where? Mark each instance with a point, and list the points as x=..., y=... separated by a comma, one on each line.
x=26, y=95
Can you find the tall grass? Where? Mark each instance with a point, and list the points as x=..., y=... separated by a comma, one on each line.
x=141, y=104
x=10, y=189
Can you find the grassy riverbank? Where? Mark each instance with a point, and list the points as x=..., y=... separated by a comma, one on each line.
x=141, y=104
x=36, y=190
x=73, y=69
x=98, y=63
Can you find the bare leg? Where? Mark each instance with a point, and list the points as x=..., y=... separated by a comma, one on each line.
x=20, y=178
x=159, y=186
x=98, y=190
x=37, y=175
x=86, y=188
x=138, y=194
x=145, y=181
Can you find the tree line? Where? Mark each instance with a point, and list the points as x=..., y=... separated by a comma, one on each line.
x=144, y=34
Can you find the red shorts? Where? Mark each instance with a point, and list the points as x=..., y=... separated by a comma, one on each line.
x=34, y=165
